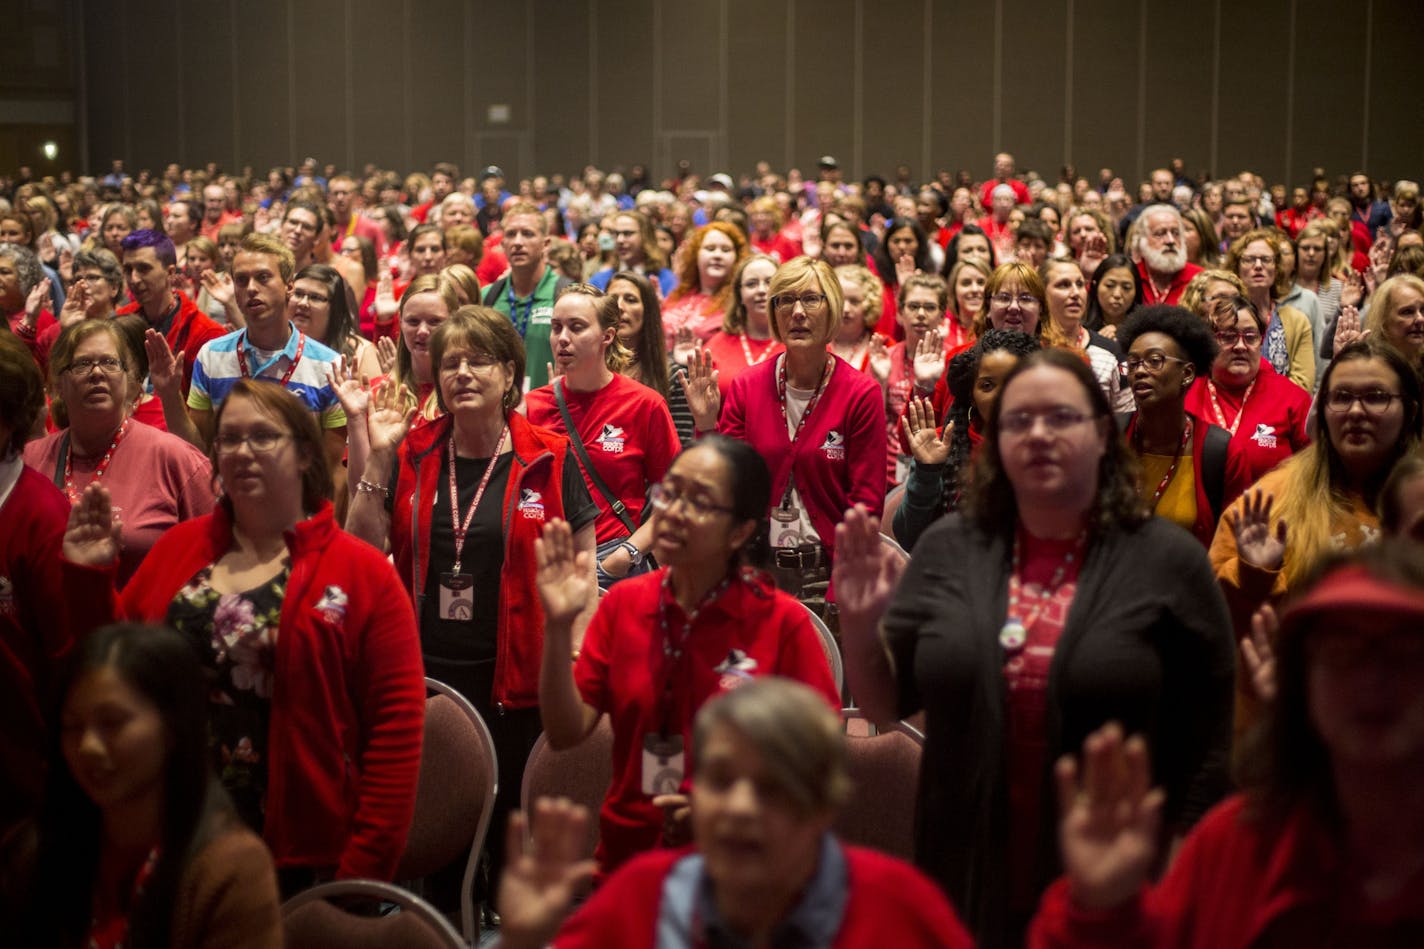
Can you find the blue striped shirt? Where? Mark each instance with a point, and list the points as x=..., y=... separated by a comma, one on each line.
x=217, y=371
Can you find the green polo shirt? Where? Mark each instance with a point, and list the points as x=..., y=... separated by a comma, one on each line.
x=531, y=316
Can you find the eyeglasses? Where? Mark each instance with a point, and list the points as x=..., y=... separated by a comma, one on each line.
x=313, y=298
x=1229, y=338
x=259, y=442
x=1258, y=260
x=921, y=308
x=698, y=509
x=1026, y=301
x=1155, y=362
x=1055, y=420
x=809, y=301
x=87, y=278
x=1375, y=401
x=108, y=365
x=478, y=363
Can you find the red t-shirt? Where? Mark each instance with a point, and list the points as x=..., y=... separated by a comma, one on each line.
x=40, y=341
x=697, y=311
x=1021, y=195
x=628, y=434
x=731, y=359
x=751, y=630
x=1026, y=679
x=778, y=245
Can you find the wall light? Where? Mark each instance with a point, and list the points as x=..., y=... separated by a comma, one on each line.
x=51, y=150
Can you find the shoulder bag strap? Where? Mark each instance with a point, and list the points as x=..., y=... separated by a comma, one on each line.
x=619, y=509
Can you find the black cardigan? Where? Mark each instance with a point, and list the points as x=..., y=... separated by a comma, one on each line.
x=1147, y=642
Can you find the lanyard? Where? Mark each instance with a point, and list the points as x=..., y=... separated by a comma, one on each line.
x=70, y=488
x=521, y=324
x=1216, y=406
x=672, y=652
x=1172, y=469
x=287, y=376
x=805, y=416
x=747, y=350
x=1025, y=620
x=462, y=527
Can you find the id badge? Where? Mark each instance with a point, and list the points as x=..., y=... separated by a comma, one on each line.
x=784, y=513
x=457, y=596
x=662, y=764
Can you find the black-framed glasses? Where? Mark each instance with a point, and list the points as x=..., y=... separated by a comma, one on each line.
x=699, y=509
x=316, y=299
x=108, y=365
x=1155, y=362
x=1375, y=401
x=259, y=442
x=809, y=301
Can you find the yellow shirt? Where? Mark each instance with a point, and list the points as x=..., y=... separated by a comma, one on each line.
x=1178, y=502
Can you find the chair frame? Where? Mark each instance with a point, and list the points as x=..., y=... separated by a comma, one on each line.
x=832, y=649
x=468, y=922
x=905, y=728
x=526, y=803
x=379, y=890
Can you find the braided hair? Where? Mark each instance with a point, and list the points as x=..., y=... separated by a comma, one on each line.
x=963, y=370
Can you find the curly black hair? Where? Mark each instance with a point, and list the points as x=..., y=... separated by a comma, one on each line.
x=1187, y=330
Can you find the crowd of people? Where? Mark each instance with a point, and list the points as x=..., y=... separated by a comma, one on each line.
x=1115, y=493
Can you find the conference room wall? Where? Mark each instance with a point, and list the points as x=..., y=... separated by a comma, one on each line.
x=1278, y=86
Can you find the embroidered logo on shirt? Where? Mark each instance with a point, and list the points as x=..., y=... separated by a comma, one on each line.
x=531, y=504
x=736, y=670
x=611, y=439
x=834, y=446
x=1265, y=435
x=332, y=605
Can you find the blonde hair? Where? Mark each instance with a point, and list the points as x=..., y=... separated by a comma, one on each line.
x=735, y=319
x=1194, y=294
x=801, y=273
x=616, y=357
x=1383, y=305
x=872, y=286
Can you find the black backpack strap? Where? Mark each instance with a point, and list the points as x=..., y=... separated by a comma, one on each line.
x=618, y=508
x=1213, y=467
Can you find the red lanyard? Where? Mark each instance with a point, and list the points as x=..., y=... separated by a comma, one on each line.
x=287, y=377
x=1216, y=406
x=810, y=406
x=462, y=527
x=747, y=350
x=69, y=487
x=1017, y=624
x=1172, y=470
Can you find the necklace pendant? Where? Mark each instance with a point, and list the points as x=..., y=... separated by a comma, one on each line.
x=1013, y=636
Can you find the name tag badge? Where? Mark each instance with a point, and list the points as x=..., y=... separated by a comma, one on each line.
x=663, y=767
x=541, y=315
x=457, y=596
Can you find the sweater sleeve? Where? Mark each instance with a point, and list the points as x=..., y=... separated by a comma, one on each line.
x=921, y=503
x=228, y=897
x=390, y=690
x=865, y=450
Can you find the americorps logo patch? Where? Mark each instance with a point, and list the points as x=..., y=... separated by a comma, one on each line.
x=834, y=446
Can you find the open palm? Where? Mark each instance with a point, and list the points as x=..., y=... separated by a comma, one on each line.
x=563, y=577
x=927, y=445
x=1257, y=542
x=92, y=535
x=541, y=879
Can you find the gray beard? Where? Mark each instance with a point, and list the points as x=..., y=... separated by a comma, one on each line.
x=1163, y=263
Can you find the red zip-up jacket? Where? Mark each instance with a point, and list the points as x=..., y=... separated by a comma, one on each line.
x=348, y=693
x=838, y=461
x=533, y=496
x=190, y=330
x=1237, y=884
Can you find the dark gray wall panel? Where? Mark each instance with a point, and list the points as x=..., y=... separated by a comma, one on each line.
x=1396, y=133
x=204, y=73
x=105, y=51
x=893, y=126
x=1253, y=87
x=1034, y=65
x=1328, y=112
x=264, y=113
x=437, y=100
x=564, y=88
x=1105, y=84
x=1177, y=115
x=377, y=87
x=152, y=100
x=318, y=80
x=623, y=37
x=823, y=75
x=961, y=103
x=756, y=83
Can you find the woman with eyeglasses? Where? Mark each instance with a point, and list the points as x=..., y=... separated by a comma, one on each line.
x=1289, y=343
x=459, y=502
x=155, y=479
x=320, y=305
x=1050, y=604
x=662, y=644
x=1189, y=474
x=818, y=422
x=309, y=649
x=1367, y=416
x=1264, y=412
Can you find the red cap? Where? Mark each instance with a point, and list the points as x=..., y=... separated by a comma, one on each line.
x=1354, y=590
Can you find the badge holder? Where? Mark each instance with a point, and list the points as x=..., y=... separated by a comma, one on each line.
x=457, y=596
x=663, y=767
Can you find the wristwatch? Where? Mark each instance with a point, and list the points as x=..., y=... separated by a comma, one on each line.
x=635, y=556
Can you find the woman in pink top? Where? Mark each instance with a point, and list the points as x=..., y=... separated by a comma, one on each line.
x=819, y=424
x=704, y=288
x=745, y=338
x=156, y=479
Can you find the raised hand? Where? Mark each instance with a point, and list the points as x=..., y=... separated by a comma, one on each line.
x=684, y=345
x=1352, y=293
x=1380, y=253
x=1108, y=820
x=699, y=382
x=1347, y=328
x=388, y=416
x=92, y=536
x=35, y=301
x=386, y=354
x=904, y=267
x=1092, y=253
x=865, y=574
x=878, y=358
x=564, y=578
x=219, y=286
x=65, y=265
x=386, y=305
x=542, y=877
x=929, y=359
x=928, y=446
x=165, y=367
x=1259, y=656
x=351, y=392
x=76, y=305
x=1257, y=543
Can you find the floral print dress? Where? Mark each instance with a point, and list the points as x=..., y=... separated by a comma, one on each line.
x=235, y=635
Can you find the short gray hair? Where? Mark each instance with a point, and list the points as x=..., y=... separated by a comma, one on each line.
x=27, y=266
